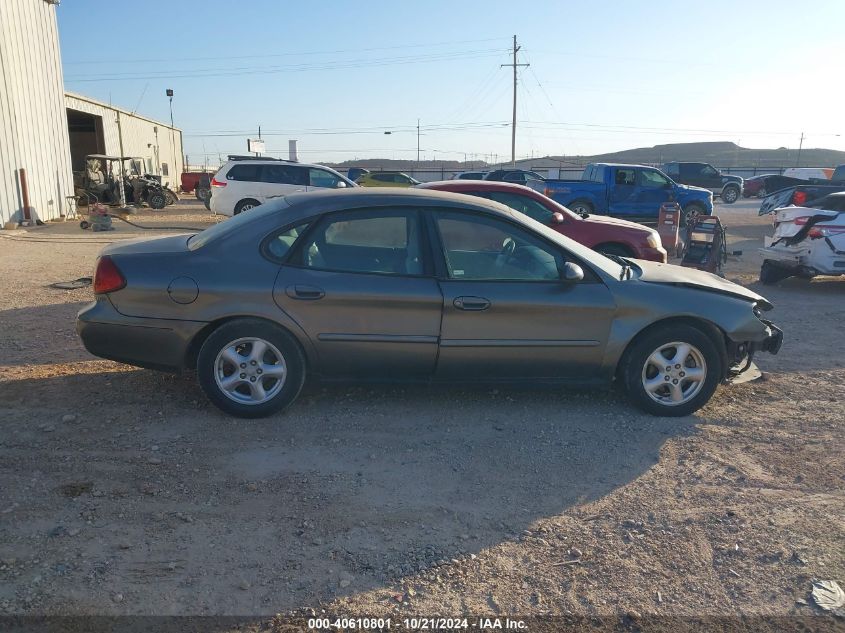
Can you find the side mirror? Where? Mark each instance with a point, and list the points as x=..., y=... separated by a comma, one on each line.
x=557, y=218
x=341, y=184
x=572, y=272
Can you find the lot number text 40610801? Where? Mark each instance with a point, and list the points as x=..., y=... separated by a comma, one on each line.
x=417, y=624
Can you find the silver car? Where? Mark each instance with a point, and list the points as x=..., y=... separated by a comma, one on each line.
x=391, y=284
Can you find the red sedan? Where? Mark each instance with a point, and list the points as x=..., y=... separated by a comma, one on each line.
x=601, y=233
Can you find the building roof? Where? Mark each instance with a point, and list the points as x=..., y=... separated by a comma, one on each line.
x=109, y=106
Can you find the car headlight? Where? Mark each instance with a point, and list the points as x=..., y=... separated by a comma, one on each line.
x=653, y=240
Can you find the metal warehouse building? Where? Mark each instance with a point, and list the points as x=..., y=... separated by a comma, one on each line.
x=46, y=133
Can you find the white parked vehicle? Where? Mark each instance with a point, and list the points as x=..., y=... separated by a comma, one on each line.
x=808, y=241
x=808, y=173
x=245, y=182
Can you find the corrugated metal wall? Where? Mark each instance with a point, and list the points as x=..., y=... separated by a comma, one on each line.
x=138, y=134
x=33, y=123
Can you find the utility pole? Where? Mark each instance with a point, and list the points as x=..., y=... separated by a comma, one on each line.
x=513, y=125
x=800, y=145
x=418, y=142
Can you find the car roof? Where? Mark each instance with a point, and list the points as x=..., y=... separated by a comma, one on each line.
x=304, y=204
x=621, y=165
x=474, y=185
x=272, y=161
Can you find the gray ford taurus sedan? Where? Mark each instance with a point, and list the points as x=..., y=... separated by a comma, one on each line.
x=414, y=285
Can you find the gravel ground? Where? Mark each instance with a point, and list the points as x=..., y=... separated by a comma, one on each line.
x=122, y=491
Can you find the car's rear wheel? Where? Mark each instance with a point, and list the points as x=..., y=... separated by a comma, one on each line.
x=246, y=205
x=692, y=211
x=672, y=371
x=251, y=368
x=730, y=194
x=581, y=207
x=157, y=200
x=762, y=193
x=170, y=197
x=772, y=273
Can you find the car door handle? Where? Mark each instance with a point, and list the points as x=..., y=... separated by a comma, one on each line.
x=305, y=292
x=476, y=304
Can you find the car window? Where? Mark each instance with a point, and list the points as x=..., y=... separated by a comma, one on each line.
x=534, y=175
x=246, y=172
x=523, y=204
x=386, y=242
x=284, y=174
x=626, y=177
x=323, y=178
x=652, y=179
x=236, y=224
x=672, y=170
x=514, y=176
x=280, y=244
x=482, y=248
x=382, y=177
x=709, y=171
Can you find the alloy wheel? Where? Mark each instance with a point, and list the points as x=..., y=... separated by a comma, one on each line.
x=674, y=373
x=250, y=371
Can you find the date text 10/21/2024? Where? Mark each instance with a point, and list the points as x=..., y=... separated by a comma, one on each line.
x=416, y=624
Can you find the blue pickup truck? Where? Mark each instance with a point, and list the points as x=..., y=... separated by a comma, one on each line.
x=628, y=191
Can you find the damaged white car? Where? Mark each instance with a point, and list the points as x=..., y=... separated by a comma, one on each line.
x=808, y=241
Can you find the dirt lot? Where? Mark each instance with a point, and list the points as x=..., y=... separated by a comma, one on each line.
x=122, y=491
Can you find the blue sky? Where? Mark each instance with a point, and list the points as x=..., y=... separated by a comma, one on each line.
x=337, y=75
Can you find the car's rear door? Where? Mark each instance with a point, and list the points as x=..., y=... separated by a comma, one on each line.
x=281, y=180
x=506, y=312
x=360, y=286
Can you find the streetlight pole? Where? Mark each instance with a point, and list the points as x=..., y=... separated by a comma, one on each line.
x=800, y=145
x=418, y=142
x=169, y=93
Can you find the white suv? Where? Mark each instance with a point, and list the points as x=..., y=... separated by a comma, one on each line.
x=245, y=182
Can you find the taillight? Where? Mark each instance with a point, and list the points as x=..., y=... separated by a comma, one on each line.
x=217, y=183
x=799, y=198
x=547, y=192
x=817, y=232
x=107, y=277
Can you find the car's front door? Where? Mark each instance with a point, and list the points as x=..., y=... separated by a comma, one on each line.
x=653, y=189
x=359, y=286
x=506, y=311
x=623, y=191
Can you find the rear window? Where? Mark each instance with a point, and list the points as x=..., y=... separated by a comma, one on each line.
x=235, y=223
x=249, y=173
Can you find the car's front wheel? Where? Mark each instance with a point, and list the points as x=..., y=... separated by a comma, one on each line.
x=251, y=368
x=691, y=212
x=672, y=371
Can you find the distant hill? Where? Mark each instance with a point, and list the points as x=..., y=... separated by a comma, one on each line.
x=720, y=154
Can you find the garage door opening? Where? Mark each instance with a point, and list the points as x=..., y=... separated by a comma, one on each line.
x=86, y=137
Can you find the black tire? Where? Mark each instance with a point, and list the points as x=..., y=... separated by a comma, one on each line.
x=762, y=193
x=157, y=200
x=633, y=370
x=84, y=224
x=613, y=249
x=691, y=210
x=203, y=193
x=772, y=273
x=171, y=197
x=730, y=194
x=581, y=207
x=277, y=337
x=207, y=203
x=246, y=205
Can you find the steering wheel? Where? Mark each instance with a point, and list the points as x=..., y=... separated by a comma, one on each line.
x=508, y=248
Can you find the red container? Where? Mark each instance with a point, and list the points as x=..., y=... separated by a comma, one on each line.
x=668, y=226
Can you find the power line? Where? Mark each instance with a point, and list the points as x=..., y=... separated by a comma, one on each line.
x=268, y=70
x=288, y=54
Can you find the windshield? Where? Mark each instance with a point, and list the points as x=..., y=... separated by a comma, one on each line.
x=234, y=223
